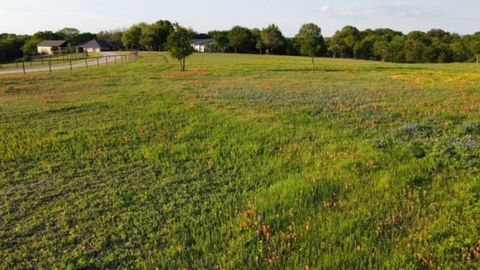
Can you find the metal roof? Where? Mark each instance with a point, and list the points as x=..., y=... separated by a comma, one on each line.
x=94, y=43
x=202, y=41
x=52, y=43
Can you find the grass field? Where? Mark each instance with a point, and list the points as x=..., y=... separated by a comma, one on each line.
x=242, y=162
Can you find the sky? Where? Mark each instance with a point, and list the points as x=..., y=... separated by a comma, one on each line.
x=30, y=16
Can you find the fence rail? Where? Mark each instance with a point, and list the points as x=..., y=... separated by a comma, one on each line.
x=70, y=63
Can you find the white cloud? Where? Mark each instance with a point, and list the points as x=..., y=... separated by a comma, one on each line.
x=373, y=10
x=324, y=8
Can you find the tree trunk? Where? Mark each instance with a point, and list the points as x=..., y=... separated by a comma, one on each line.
x=235, y=50
x=478, y=58
x=183, y=64
x=313, y=63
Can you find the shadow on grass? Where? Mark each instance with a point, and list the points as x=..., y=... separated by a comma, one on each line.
x=305, y=70
x=394, y=68
x=364, y=69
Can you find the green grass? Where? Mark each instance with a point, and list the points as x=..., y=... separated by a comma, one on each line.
x=242, y=162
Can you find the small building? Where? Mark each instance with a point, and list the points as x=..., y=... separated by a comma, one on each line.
x=203, y=45
x=95, y=45
x=52, y=46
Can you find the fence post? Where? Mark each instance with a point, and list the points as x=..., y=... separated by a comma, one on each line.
x=50, y=66
x=71, y=68
x=106, y=60
x=23, y=65
x=98, y=62
x=86, y=63
x=115, y=59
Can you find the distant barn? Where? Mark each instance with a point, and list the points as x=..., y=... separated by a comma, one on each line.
x=203, y=45
x=52, y=46
x=96, y=45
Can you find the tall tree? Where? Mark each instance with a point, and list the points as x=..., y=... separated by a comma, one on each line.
x=131, y=37
x=68, y=33
x=344, y=41
x=220, y=39
x=115, y=35
x=364, y=49
x=10, y=47
x=310, y=38
x=257, y=36
x=180, y=44
x=239, y=37
x=272, y=38
x=397, y=47
x=154, y=36
x=474, y=46
x=415, y=45
x=381, y=49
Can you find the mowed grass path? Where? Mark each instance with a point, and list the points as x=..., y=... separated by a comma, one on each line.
x=242, y=162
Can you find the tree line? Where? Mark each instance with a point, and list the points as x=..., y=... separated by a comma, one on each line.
x=434, y=46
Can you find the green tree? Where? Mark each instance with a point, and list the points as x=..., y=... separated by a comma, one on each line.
x=381, y=49
x=397, y=49
x=334, y=48
x=309, y=38
x=30, y=47
x=115, y=35
x=69, y=34
x=344, y=41
x=364, y=49
x=460, y=51
x=220, y=39
x=474, y=46
x=239, y=37
x=272, y=38
x=415, y=44
x=180, y=44
x=131, y=37
x=154, y=36
x=10, y=47
x=257, y=36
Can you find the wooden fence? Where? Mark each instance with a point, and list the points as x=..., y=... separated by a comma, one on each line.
x=71, y=63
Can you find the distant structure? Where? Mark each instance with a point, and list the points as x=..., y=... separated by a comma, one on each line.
x=95, y=45
x=203, y=45
x=52, y=46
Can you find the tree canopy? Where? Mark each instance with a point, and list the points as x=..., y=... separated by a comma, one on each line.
x=239, y=38
x=310, y=40
x=272, y=38
x=180, y=44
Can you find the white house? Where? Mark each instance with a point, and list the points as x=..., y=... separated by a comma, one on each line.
x=52, y=46
x=96, y=45
x=203, y=45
